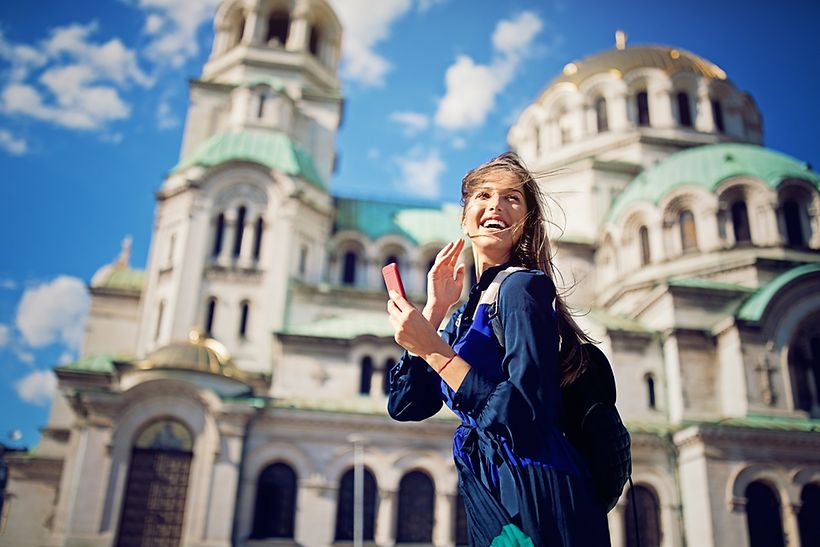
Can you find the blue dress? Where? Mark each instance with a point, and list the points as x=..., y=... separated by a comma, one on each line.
x=521, y=481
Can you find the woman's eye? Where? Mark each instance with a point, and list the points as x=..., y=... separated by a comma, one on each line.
x=513, y=198
x=482, y=195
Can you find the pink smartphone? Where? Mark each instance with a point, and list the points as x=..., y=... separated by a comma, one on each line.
x=392, y=278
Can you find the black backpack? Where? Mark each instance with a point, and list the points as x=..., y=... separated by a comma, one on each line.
x=589, y=418
x=593, y=426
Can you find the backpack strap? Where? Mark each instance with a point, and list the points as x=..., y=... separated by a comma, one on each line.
x=489, y=297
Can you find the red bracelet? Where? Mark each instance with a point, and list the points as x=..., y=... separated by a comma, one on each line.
x=450, y=360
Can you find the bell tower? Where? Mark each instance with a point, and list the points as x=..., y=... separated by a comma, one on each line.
x=247, y=206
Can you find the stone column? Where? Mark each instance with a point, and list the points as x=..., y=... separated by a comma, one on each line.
x=704, y=120
x=253, y=28
x=224, y=485
x=385, y=520
x=708, y=237
x=674, y=381
x=617, y=529
x=617, y=111
x=660, y=105
x=443, y=521
x=298, y=34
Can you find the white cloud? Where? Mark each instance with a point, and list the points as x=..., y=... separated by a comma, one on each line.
x=420, y=172
x=80, y=84
x=425, y=5
x=471, y=88
x=37, y=387
x=413, y=122
x=111, y=60
x=514, y=36
x=172, y=26
x=9, y=284
x=65, y=358
x=5, y=335
x=459, y=143
x=165, y=115
x=53, y=312
x=366, y=23
x=11, y=144
x=24, y=356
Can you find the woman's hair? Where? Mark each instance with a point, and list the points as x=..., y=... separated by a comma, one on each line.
x=533, y=251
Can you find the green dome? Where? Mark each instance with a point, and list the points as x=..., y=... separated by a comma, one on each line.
x=708, y=166
x=273, y=150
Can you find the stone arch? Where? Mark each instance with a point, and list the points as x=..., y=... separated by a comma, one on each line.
x=343, y=243
x=804, y=214
x=758, y=202
x=702, y=204
x=741, y=478
x=144, y=402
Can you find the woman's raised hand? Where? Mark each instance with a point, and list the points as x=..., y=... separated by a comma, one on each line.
x=445, y=281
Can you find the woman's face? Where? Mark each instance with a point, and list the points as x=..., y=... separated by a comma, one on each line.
x=494, y=215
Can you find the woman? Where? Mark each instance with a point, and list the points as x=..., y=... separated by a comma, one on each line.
x=521, y=480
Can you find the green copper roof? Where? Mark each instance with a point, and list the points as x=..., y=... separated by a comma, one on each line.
x=272, y=82
x=102, y=363
x=753, y=308
x=418, y=223
x=700, y=283
x=273, y=150
x=347, y=327
x=708, y=166
x=124, y=279
x=781, y=423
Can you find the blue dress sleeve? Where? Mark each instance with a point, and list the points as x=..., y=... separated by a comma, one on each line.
x=518, y=407
x=415, y=389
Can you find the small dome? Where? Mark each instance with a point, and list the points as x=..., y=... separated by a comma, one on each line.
x=200, y=353
x=708, y=166
x=670, y=60
x=119, y=275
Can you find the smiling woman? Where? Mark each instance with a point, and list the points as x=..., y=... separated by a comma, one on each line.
x=498, y=367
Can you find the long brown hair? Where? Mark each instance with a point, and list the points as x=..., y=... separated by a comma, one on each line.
x=534, y=251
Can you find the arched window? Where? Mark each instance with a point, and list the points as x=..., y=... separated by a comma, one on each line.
x=391, y=259
x=345, y=506
x=210, y=314
x=257, y=238
x=717, y=115
x=740, y=222
x=275, y=510
x=601, y=115
x=763, y=516
x=366, y=375
x=804, y=366
x=809, y=516
x=160, y=312
x=303, y=258
x=240, y=231
x=643, y=237
x=260, y=111
x=649, y=518
x=461, y=522
x=684, y=110
x=792, y=215
x=278, y=27
x=157, y=485
x=244, y=308
x=388, y=366
x=416, y=508
x=349, y=268
x=537, y=139
x=688, y=233
x=650, y=391
x=219, y=234
x=642, y=103
x=314, y=40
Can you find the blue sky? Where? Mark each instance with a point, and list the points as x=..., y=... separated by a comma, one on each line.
x=93, y=97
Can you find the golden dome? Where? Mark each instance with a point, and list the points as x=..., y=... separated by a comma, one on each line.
x=199, y=353
x=670, y=60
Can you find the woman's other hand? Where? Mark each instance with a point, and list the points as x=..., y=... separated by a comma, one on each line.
x=445, y=281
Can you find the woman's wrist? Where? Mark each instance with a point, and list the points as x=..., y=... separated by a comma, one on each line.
x=435, y=312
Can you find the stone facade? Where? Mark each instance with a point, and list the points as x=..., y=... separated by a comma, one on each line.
x=693, y=249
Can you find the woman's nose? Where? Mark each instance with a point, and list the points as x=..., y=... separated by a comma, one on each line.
x=494, y=201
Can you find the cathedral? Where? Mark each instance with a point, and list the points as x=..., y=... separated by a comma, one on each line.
x=231, y=393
